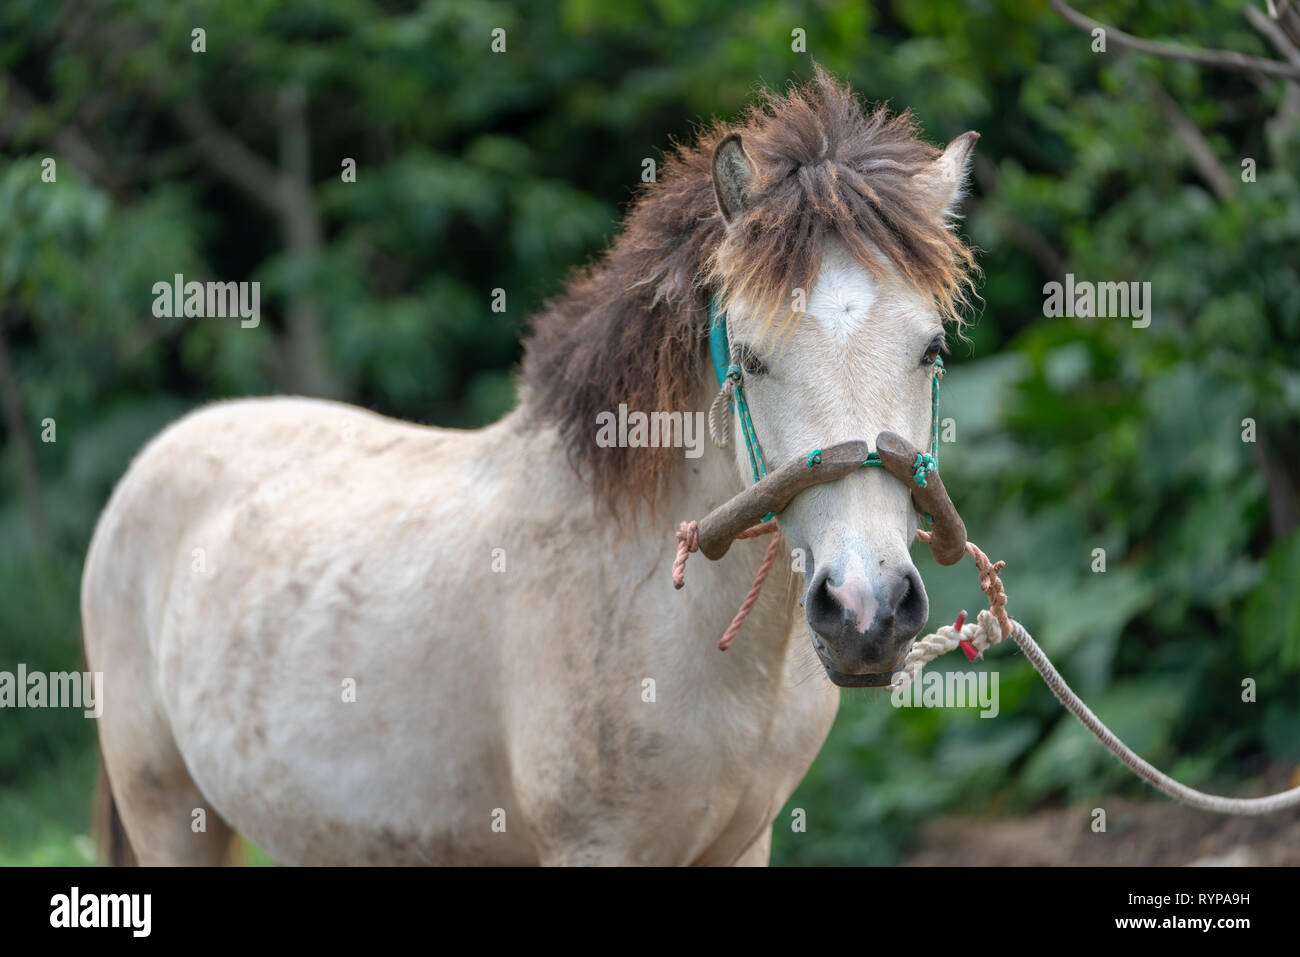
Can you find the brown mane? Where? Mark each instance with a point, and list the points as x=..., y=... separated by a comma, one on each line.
x=631, y=328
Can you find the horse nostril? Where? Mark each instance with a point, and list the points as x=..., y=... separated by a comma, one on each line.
x=821, y=609
x=911, y=606
x=902, y=594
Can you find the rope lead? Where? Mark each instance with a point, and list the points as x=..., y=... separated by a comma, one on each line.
x=991, y=627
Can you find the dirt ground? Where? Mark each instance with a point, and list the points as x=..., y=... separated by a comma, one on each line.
x=1155, y=832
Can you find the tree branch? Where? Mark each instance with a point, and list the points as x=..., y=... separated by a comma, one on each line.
x=1277, y=127
x=1287, y=16
x=286, y=193
x=228, y=155
x=305, y=236
x=1275, y=35
x=1282, y=516
x=1198, y=147
x=1222, y=59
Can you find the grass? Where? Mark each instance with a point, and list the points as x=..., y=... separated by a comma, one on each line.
x=45, y=816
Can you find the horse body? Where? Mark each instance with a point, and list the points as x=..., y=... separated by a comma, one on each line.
x=357, y=640
x=260, y=553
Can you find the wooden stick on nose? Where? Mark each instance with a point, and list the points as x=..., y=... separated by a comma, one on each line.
x=948, y=537
x=773, y=493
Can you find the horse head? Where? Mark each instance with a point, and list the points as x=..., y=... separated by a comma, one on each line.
x=872, y=273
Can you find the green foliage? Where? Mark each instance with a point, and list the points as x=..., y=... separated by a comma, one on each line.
x=1271, y=621
x=479, y=171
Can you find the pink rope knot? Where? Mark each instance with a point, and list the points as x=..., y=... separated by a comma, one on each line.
x=990, y=583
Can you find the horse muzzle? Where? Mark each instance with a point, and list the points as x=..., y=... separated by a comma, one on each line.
x=863, y=617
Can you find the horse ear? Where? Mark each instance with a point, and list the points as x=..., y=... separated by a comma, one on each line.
x=733, y=176
x=950, y=171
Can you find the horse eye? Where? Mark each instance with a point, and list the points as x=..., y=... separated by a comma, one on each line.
x=751, y=364
x=932, y=352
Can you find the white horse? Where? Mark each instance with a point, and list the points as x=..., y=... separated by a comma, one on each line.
x=358, y=640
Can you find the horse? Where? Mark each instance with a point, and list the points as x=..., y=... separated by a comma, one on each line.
x=357, y=640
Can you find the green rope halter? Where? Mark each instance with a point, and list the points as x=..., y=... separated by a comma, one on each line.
x=725, y=369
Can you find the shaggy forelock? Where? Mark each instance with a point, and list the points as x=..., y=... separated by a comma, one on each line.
x=826, y=167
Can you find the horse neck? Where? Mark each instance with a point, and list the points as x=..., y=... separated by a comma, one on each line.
x=630, y=550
